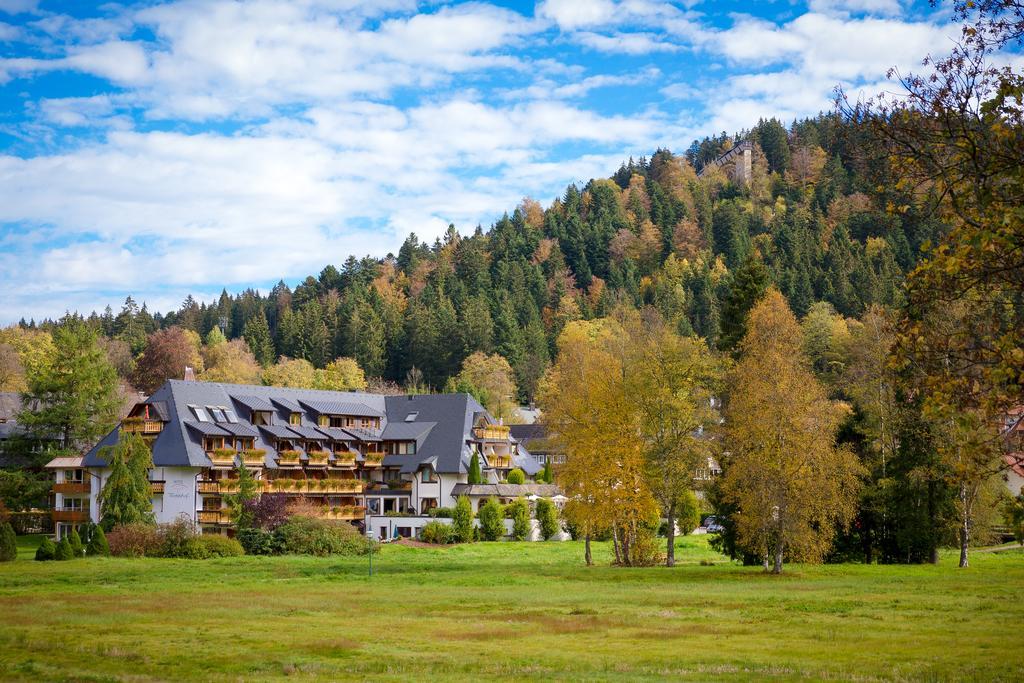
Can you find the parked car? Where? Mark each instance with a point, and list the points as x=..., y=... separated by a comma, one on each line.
x=712, y=525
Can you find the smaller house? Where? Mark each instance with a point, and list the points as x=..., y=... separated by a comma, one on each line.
x=535, y=439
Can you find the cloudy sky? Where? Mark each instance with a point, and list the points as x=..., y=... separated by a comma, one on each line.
x=162, y=149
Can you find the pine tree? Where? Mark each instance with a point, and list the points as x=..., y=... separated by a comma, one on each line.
x=546, y=475
x=492, y=525
x=748, y=285
x=474, y=476
x=98, y=545
x=125, y=497
x=8, y=543
x=64, y=550
x=46, y=551
x=462, y=521
x=240, y=503
x=257, y=336
x=75, y=539
x=75, y=395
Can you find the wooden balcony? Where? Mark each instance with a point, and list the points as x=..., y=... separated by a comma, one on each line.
x=288, y=458
x=71, y=515
x=222, y=457
x=255, y=457
x=492, y=433
x=68, y=488
x=345, y=512
x=317, y=458
x=373, y=459
x=499, y=461
x=213, y=517
x=345, y=461
x=156, y=488
x=209, y=487
x=141, y=426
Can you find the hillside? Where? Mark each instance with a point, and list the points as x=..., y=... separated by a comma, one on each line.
x=813, y=219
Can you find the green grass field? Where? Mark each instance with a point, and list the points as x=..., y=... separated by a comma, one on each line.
x=506, y=611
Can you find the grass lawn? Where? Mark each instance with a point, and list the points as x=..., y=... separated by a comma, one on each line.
x=505, y=611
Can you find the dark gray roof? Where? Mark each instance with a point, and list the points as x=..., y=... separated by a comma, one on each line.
x=254, y=402
x=308, y=433
x=442, y=427
x=335, y=407
x=238, y=428
x=278, y=431
x=507, y=490
x=160, y=408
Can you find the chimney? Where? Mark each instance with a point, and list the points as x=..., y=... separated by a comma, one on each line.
x=190, y=374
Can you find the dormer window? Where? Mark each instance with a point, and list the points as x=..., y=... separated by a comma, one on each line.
x=295, y=419
x=261, y=418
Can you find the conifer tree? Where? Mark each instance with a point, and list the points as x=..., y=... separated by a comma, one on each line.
x=64, y=550
x=257, y=336
x=125, y=497
x=8, y=543
x=462, y=521
x=98, y=545
x=75, y=539
x=46, y=551
x=474, y=476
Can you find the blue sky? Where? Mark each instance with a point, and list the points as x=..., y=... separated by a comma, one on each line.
x=167, y=148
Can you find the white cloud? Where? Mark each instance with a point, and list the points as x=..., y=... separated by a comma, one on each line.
x=847, y=7
x=626, y=43
x=18, y=6
x=574, y=14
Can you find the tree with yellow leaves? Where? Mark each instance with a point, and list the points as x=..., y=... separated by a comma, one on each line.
x=791, y=485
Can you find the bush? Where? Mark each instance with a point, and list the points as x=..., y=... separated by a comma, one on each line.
x=516, y=476
x=64, y=550
x=547, y=515
x=492, y=525
x=134, y=540
x=445, y=513
x=312, y=536
x=46, y=551
x=215, y=545
x=436, y=532
x=8, y=543
x=462, y=521
x=257, y=541
x=269, y=511
x=519, y=511
x=688, y=513
x=178, y=539
x=98, y=543
x=75, y=539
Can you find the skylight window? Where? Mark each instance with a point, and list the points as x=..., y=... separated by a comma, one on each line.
x=199, y=413
x=229, y=414
x=411, y=417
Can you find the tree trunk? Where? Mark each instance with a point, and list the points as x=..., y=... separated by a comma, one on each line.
x=670, y=551
x=933, y=544
x=615, y=544
x=586, y=551
x=965, y=526
x=777, y=568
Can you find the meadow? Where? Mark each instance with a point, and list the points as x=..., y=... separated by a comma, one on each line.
x=504, y=611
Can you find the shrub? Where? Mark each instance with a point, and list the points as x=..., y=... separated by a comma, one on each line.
x=310, y=536
x=436, y=532
x=256, y=541
x=220, y=546
x=64, y=550
x=492, y=525
x=134, y=540
x=547, y=515
x=462, y=521
x=645, y=550
x=519, y=512
x=98, y=543
x=688, y=513
x=8, y=543
x=46, y=551
x=75, y=539
x=516, y=476
x=178, y=539
x=445, y=513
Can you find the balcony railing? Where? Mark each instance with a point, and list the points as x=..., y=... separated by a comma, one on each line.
x=317, y=458
x=499, y=461
x=222, y=457
x=492, y=432
x=156, y=488
x=254, y=457
x=141, y=426
x=346, y=512
x=71, y=487
x=214, y=517
x=71, y=515
x=209, y=487
x=393, y=485
x=373, y=459
x=344, y=460
x=288, y=458
x=314, y=486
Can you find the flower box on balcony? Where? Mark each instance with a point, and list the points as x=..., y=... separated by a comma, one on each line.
x=254, y=457
x=288, y=457
x=317, y=458
x=222, y=456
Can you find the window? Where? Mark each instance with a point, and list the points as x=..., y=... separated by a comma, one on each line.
x=411, y=417
x=218, y=413
x=212, y=443
x=229, y=414
x=199, y=413
x=261, y=418
x=245, y=443
x=74, y=476
x=295, y=419
x=325, y=421
x=427, y=475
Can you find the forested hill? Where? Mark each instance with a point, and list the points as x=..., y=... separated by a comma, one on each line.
x=697, y=250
